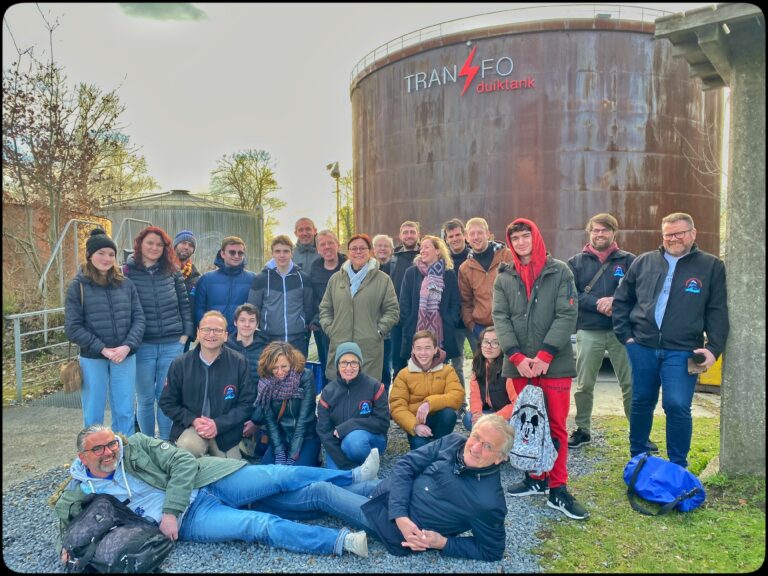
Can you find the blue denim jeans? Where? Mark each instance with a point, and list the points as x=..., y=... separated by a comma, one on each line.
x=309, y=455
x=319, y=499
x=152, y=362
x=441, y=422
x=216, y=514
x=666, y=369
x=357, y=445
x=100, y=374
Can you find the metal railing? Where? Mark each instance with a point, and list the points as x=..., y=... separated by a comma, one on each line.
x=613, y=12
x=57, y=253
x=19, y=344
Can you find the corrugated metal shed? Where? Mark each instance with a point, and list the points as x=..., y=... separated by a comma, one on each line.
x=179, y=210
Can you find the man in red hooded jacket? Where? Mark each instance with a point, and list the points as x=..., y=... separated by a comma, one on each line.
x=535, y=307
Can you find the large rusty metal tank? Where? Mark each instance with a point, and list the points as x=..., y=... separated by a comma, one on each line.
x=546, y=116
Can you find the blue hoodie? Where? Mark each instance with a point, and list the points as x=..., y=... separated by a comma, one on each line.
x=223, y=290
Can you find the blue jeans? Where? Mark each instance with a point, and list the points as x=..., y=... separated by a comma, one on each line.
x=100, y=373
x=666, y=369
x=357, y=445
x=152, y=362
x=319, y=499
x=215, y=515
x=441, y=422
x=309, y=455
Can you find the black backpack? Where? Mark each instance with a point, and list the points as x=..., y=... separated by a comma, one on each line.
x=107, y=537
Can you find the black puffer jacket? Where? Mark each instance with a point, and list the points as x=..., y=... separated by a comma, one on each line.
x=165, y=302
x=109, y=316
x=298, y=422
x=360, y=404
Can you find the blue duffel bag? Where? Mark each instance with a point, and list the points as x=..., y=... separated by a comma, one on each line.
x=657, y=480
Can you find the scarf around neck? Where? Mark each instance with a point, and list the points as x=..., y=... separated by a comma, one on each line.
x=356, y=278
x=602, y=256
x=271, y=388
x=186, y=270
x=430, y=294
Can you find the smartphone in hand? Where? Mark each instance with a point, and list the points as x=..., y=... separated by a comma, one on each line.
x=694, y=364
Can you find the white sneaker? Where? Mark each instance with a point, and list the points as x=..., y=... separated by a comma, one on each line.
x=356, y=543
x=369, y=469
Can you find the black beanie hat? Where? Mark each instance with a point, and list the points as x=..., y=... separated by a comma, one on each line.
x=98, y=240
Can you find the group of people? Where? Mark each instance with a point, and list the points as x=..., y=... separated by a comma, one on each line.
x=389, y=325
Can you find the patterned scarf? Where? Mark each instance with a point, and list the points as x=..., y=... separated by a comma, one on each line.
x=356, y=278
x=430, y=294
x=186, y=270
x=271, y=388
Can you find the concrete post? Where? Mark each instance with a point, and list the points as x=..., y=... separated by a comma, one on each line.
x=742, y=417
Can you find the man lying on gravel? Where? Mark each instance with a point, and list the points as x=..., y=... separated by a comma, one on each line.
x=200, y=499
x=432, y=495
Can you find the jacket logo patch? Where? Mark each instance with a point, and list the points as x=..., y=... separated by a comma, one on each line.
x=229, y=392
x=693, y=285
x=164, y=446
x=618, y=272
x=365, y=408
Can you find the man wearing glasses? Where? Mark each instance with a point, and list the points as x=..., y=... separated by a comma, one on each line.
x=204, y=499
x=597, y=270
x=226, y=288
x=669, y=298
x=209, y=393
x=440, y=491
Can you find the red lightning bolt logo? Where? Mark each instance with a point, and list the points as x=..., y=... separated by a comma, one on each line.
x=468, y=70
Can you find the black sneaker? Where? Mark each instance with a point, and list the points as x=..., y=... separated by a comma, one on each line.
x=651, y=447
x=529, y=487
x=579, y=438
x=561, y=500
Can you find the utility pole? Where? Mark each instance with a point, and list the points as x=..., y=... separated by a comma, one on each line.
x=336, y=174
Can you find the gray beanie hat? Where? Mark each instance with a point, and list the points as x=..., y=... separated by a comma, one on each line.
x=348, y=348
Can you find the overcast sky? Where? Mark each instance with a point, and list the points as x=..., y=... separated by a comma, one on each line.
x=202, y=80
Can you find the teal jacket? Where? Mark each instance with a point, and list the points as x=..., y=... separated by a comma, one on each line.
x=545, y=322
x=158, y=463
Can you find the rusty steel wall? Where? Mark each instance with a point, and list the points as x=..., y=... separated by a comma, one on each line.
x=599, y=121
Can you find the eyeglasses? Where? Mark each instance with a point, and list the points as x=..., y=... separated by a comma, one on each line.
x=486, y=446
x=212, y=330
x=99, y=450
x=349, y=364
x=235, y=252
x=600, y=231
x=676, y=235
x=491, y=343
x=359, y=249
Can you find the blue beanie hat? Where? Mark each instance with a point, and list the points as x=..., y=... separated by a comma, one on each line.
x=348, y=348
x=185, y=235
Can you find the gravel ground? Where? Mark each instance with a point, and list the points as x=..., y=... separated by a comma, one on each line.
x=30, y=531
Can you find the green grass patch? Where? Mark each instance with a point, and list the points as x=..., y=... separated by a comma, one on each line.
x=726, y=534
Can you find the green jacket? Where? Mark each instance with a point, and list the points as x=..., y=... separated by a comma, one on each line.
x=160, y=464
x=546, y=322
x=364, y=319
